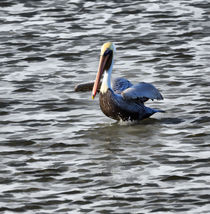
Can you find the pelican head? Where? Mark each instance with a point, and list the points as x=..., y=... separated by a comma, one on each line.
x=105, y=64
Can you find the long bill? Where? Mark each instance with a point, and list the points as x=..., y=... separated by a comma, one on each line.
x=101, y=67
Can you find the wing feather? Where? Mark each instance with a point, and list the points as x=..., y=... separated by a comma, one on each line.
x=142, y=91
x=120, y=84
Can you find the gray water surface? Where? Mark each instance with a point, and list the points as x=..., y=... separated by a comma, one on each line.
x=58, y=152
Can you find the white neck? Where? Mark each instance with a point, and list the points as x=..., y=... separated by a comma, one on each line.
x=106, y=83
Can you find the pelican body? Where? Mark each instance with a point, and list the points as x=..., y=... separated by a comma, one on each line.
x=119, y=98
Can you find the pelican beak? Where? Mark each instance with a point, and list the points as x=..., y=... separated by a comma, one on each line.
x=101, y=68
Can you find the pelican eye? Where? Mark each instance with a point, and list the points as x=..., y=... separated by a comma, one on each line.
x=107, y=52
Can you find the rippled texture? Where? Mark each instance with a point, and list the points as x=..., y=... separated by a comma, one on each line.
x=59, y=153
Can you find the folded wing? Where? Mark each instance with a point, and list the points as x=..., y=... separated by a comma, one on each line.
x=142, y=91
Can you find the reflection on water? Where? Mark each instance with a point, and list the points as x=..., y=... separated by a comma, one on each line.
x=59, y=153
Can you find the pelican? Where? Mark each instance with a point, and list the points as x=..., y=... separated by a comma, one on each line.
x=119, y=98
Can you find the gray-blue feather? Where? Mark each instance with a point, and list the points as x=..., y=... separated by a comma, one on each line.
x=120, y=84
x=141, y=91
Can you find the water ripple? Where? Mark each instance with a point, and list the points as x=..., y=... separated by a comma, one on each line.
x=59, y=153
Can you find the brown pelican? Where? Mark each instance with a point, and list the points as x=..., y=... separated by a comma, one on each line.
x=120, y=99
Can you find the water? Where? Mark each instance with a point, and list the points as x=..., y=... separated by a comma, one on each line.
x=58, y=152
